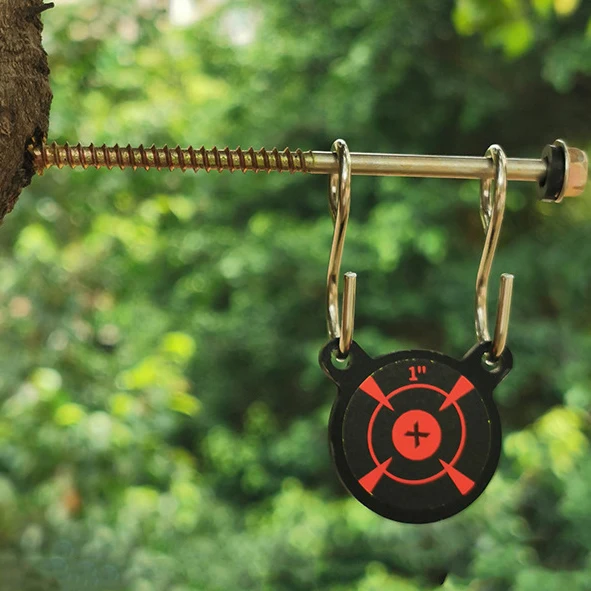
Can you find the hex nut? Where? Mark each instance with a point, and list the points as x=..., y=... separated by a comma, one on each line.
x=566, y=172
x=577, y=174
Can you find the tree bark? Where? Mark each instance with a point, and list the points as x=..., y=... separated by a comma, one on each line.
x=25, y=95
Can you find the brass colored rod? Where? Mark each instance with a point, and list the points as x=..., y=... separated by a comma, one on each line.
x=460, y=167
x=263, y=160
x=444, y=167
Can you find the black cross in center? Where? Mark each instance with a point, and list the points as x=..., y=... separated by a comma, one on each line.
x=416, y=434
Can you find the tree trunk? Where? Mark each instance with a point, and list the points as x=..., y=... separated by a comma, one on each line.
x=25, y=95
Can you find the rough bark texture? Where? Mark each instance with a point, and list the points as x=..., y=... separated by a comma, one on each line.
x=25, y=95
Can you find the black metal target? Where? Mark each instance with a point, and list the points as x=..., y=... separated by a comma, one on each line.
x=415, y=435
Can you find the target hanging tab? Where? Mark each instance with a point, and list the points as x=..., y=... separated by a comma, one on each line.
x=415, y=435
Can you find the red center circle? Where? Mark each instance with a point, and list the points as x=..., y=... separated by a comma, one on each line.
x=416, y=435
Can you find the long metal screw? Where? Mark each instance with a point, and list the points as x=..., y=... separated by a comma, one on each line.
x=460, y=167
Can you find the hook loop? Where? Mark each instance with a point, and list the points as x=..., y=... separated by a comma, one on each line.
x=339, y=201
x=493, y=192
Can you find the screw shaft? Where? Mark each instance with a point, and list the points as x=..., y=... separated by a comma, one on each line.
x=116, y=156
x=314, y=162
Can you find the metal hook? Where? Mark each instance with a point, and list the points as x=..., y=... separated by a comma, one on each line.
x=492, y=209
x=339, y=200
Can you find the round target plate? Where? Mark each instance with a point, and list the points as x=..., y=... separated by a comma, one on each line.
x=415, y=435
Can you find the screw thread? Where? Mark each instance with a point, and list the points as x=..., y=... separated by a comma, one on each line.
x=46, y=156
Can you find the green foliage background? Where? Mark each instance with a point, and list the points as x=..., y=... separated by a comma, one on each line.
x=162, y=414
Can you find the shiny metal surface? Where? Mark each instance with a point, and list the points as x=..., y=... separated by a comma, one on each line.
x=493, y=194
x=348, y=323
x=263, y=160
x=339, y=201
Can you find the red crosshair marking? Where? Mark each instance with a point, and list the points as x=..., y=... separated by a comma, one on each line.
x=416, y=435
x=370, y=387
x=456, y=457
x=462, y=482
x=461, y=388
x=371, y=479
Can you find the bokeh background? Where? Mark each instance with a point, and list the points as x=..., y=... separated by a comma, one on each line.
x=162, y=414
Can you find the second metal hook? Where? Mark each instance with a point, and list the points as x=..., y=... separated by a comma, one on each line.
x=492, y=209
x=339, y=200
